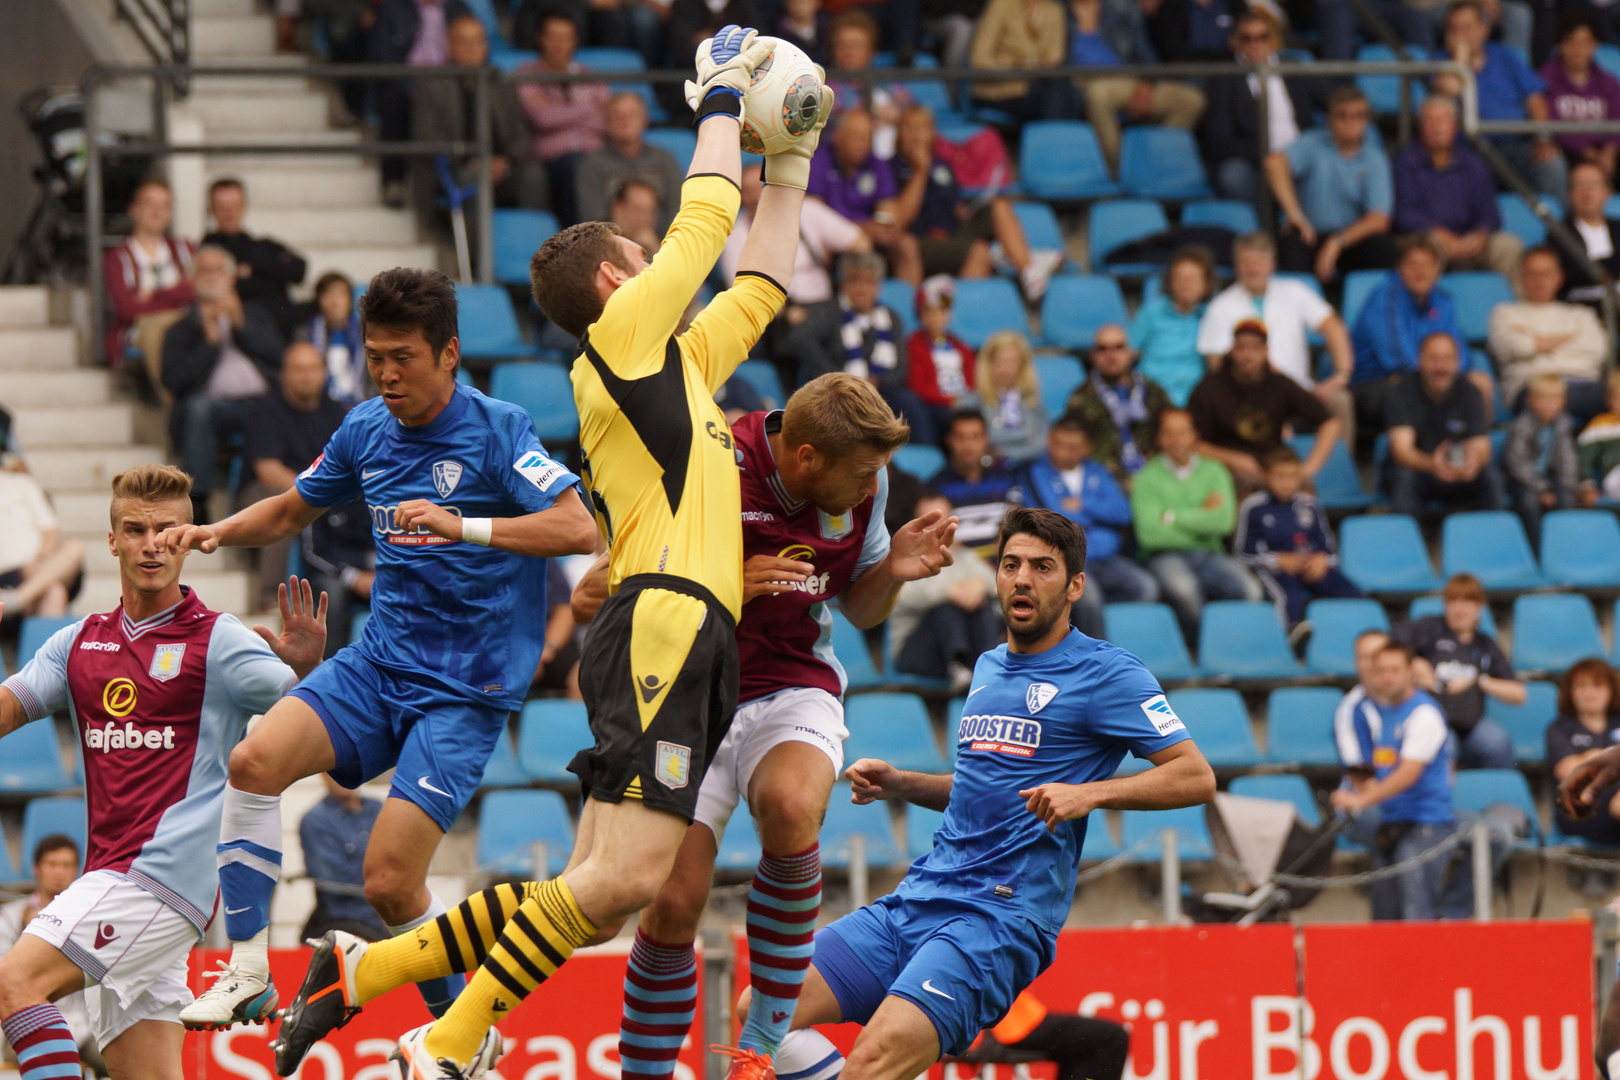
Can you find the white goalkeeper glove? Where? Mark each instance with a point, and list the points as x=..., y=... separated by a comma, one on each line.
x=725, y=68
x=791, y=167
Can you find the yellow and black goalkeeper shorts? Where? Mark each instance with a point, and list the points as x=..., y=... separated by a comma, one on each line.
x=659, y=678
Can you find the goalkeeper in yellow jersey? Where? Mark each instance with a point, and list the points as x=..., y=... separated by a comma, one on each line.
x=659, y=673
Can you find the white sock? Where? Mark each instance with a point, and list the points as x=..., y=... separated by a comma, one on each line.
x=807, y=1055
x=249, y=858
x=435, y=908
x=253, y=954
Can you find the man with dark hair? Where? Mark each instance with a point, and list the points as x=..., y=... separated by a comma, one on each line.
x=56, y=864
x=659, y=670
x=265, y=268
x=1048, y=719
x=973, y=479
x=466, y=506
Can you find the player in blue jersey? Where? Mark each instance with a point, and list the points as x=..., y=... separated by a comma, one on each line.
x=465, y=507
x=1048, y=719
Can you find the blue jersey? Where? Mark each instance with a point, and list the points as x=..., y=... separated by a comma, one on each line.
x=468, y=617
x=1066, y=716
x=1414, y=730
x=1268, y=527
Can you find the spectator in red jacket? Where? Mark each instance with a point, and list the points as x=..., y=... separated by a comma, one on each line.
x=148, y=279
x=941, y=363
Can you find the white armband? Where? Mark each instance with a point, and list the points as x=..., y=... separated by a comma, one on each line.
x=477, y=530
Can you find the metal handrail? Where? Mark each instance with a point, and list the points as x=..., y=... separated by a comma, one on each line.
x=163, y=27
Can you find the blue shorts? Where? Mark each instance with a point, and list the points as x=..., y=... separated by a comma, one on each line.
x=962, y=967
x=437, y=741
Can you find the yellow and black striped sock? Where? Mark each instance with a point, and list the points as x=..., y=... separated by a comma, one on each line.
x=456, y=941
x=539, y=938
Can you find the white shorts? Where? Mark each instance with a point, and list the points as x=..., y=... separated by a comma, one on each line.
x=803, y=714
x=131, y=946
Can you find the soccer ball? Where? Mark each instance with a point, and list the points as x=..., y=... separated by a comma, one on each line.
x=783, y=102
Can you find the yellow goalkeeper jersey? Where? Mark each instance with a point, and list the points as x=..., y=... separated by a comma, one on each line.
x=660, y=463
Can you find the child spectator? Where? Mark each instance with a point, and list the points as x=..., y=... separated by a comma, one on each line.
x=1539, y=458
x=1165, y=329
x=1599, y=451
x=942, y=364
x=974, y=480
x=1064, y=479
x=941, y=624
x=1283, y=536
x=1011, y=393
x=1588, y=723
x=335, y=332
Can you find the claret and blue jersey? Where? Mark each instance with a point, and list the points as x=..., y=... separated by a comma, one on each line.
x=468, y=617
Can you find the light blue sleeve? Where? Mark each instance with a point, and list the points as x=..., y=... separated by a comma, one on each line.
x=876, y=546
x=1301, y=154
x=1380, y=184
x=1128, y=707
x=254, y=677
x=41, y=687
x=529, y=475
x=333, y=479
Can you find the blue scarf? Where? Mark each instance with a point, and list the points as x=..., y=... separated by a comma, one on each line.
x=1126, y=408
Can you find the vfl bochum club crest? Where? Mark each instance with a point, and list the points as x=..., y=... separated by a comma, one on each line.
x=446, y=475
x=1037, y=696
x=166, y=662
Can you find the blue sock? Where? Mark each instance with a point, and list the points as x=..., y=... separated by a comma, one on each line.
x=782, y=909
x=437, y=994
x=660, y=1003
x=43, y=1044
x=249, y=857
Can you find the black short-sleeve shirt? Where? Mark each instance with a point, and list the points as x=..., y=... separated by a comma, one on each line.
x=1567, y=735
x=293, y=437
x=1459, y=415
x=1453, y=659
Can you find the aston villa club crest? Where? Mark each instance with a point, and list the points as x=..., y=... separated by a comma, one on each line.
x=446, y=475
x=166, y=662
x=835, y=526
x=674, y=767
x=1038, y=695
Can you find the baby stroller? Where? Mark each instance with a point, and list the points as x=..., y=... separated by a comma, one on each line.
x=50, y=249
x=1254, y=840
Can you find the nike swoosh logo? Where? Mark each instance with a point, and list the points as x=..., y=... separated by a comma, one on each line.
x=975, y=690
x=370, y=473
x=929, y=986
x=238, y=910
x=422, y=783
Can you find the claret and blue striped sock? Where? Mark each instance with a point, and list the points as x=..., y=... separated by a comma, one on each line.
x=660, y=1003
x=782, y=909
x=43, y=1044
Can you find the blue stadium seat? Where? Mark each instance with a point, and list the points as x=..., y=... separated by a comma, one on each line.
x=1475, y=789
x=1145, y=826
x=1162, y=163
x=1384, y=91
x=510, y=823
x=1058, y=375
x=57, y=814
x=1338, y=485
x=357, y=624
x=1225, y=213
x=1117, y=222
x=1608, y=58
x=1527, y=723
x=1040, y=224
x=1385, y=553
x=9, y=874
x=985, y=306
x=1579, y=548
x=1061, y=159
x=763, y=377
x=921, y=824
x=1424, y=606
x=681, y=142
x=518, y=235
x=893, y=728
x=1475, y=293
x=1100, y=843
x=919, y=459
x=1553, y=630
x=1219, y=722
x=31, y=760
x=1491, y=545
x=36, y=631
x=1299, y=725
x=542, y=389
x=613, y=59
x=845, y=819
x=1245, y=640
x=550, y=732
x=503, y=770
x=1284, y=787
x=1519, y=219
x=488, y=327
x=739, y=848
x=849, y=646
x=1335, y=624
x=1149, y=632
x=1074, y=307
x=901, y=298
x=1358, y=285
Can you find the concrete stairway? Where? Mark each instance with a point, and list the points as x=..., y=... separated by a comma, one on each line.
x=324, y=205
